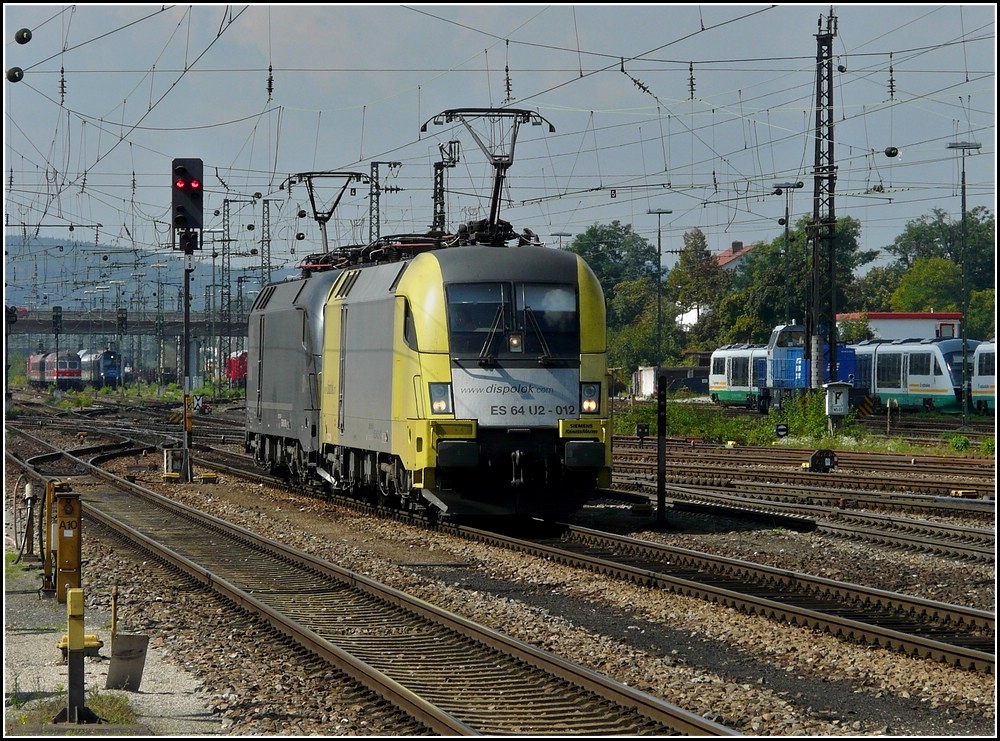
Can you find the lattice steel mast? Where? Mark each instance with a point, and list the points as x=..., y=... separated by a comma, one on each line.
x=821, y=320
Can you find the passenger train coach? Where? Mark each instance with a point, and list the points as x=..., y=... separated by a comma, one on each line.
x=62, y=370
x=761, y=376
x=909, y=374
x=460, y=380
x=738, y=375
x=984, y=377
x=236, y=369
x=913, y=374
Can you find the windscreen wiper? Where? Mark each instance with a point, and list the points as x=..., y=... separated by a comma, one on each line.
x=486, y=360
x=546, y=357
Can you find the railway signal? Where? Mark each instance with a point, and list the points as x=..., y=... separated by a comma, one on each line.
x=56, y=319
x=122, y=321
x=187, y=193
x=187, y=201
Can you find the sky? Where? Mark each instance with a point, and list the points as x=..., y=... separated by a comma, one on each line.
x=695, y=110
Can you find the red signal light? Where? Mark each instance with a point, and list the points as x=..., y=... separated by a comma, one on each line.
x=187, y=194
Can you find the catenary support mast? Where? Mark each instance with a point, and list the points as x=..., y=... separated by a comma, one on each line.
x=821, y=320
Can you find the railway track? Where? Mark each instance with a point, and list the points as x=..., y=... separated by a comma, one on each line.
x=928, y=621
x=789, y=491
x=911, y=428
x=268, y=507
x=940, y=538
x=778, y=506
x=915, y=626
x=848, y=513
x=956, y=481
x=456, y=677
x=950, y=633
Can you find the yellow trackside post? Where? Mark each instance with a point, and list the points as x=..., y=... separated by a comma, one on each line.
x=69, y=548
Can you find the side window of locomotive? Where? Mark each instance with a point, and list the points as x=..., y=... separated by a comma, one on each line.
x=549, y=310
x=409, y=327
x=987, y=364
x=740, y=372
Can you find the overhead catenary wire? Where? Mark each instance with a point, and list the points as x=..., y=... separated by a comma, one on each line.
x=597, y=146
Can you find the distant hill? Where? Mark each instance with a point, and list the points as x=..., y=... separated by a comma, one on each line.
x=41, y=272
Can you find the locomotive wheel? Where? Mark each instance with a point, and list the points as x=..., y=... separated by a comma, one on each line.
x=388, y=495
x=389, y=500
x=299, y=469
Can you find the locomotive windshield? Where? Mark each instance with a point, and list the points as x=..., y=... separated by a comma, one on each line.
x=507, y=319
x=954, y=361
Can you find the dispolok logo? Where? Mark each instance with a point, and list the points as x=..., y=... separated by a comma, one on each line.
x=524, y=388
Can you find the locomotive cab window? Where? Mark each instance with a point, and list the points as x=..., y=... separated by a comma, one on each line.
x=954, y=361
x=504, y=319
x=479, y=316
x=548, y=316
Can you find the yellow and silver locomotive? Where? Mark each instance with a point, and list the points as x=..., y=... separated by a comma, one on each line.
x=459, y=377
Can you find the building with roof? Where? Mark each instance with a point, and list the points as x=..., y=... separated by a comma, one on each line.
x=901, y=325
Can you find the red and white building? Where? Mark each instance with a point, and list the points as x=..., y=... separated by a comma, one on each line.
x=901, y=325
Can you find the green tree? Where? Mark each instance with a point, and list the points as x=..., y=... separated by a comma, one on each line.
x=615, y=253
x=981, y=323
x=936, y=235
x=873, y=291
x=771, y=286
x=849, y=258
x=762, y=294
x=697, y=283
x=854, y=330
x=932, y=284
x=629, y=347
x=634, y=302
x=745, y=315
x=632, y=330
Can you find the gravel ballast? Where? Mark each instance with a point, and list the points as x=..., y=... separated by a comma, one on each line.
x=754, y=675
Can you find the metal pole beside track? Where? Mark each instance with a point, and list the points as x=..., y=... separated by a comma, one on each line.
x=964, y=148
x=659, y=281
x=661, y=447
x=186, y=456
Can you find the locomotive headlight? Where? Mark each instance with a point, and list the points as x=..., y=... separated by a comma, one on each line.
x=590, y=397
x=515, y=342
x=440, y=398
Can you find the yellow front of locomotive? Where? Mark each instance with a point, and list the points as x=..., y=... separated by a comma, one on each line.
x=420, y=370
x=594, y=364
x=500, y=400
